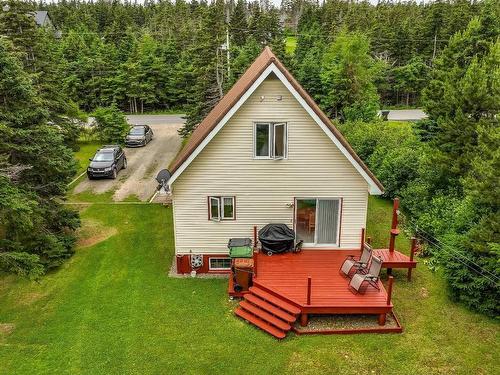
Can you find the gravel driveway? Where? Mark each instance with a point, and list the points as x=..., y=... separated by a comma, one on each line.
x=143, y=162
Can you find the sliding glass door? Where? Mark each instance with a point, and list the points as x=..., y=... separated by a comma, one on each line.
x=317, y=221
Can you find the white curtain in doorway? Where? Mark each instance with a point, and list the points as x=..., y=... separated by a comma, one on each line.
x=327, y=221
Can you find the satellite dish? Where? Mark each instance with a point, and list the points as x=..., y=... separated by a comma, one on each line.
x=162, y=178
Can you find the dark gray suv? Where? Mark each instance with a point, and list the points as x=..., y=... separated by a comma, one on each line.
x=107, y=162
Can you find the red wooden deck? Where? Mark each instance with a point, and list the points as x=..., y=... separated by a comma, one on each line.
x=287, y=275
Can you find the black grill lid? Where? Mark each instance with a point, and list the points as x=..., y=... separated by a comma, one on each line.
x=276, y=238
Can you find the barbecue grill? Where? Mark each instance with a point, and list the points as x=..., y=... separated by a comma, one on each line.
x=276, y=238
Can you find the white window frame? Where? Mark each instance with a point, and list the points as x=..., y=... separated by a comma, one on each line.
x=211, y=217
x=285, y=140
x=210, y=268
x=271, y=138
x=315, y=243
x=223, y=217
x=220, y=208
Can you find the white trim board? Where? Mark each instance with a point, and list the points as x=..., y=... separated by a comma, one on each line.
x=272, y=68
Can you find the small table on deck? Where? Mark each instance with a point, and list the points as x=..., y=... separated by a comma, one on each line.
x=395, y=259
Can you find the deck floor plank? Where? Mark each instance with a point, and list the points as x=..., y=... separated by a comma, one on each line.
x=287, y=274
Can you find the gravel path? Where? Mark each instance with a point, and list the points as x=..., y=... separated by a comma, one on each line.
x=143, y=165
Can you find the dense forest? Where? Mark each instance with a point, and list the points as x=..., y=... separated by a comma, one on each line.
x=172, y=55
x=353, y=57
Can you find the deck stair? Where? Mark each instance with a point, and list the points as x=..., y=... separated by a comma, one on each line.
x=267, y=312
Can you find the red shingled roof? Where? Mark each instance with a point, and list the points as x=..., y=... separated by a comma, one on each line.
x=260, y=64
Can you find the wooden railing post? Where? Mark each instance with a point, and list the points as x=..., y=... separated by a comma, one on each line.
x=255, y=236
x=309, y=290
x=413, y=247
x=392, y=241
x=382, y=317
x=412, y=254
x=389, y=289
x=255, y=256
x=395, y=208
x=362, y=239
x=394, y=225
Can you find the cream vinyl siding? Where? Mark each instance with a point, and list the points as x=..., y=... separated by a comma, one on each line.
x=264, y=190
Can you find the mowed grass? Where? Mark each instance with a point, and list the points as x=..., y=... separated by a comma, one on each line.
x=112, y=309
x=86, y=151
x=290, y=44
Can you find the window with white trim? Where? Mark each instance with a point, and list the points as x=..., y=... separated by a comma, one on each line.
x=219, y=264
x=221, y=208
x=270, y=140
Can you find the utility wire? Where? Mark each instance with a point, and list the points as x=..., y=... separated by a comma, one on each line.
x=443, y=245
x=460, y=257
x=495, y=283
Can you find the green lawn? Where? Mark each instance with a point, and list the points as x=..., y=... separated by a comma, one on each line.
x=290, y=44
x=112, y=310
x=86, y=151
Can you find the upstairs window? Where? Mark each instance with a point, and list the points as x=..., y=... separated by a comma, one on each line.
x=270, y=140
x=221, y=208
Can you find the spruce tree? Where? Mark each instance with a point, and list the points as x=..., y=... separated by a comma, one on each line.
x=38, y=49
x=209, y=68
x=348, y=74
x=458, y=106
x=37, y=231
x=239, y=24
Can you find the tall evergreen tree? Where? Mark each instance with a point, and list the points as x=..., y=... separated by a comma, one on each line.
x=42, y=59
x=348, y=75
x=239, y=24
x=458, y=107
x=37, y=231
x=461, y=179
x=209, y=64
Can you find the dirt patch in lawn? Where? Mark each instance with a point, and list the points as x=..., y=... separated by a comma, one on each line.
x=92, y=232
x=6, y=328
x=6, y=281
x=29, y=298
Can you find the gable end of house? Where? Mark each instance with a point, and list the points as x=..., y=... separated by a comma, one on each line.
x=266, y=64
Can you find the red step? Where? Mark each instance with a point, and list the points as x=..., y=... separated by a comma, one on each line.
x=270, y=308
x=272, y=330
x=264, y=315
x=291, y=309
